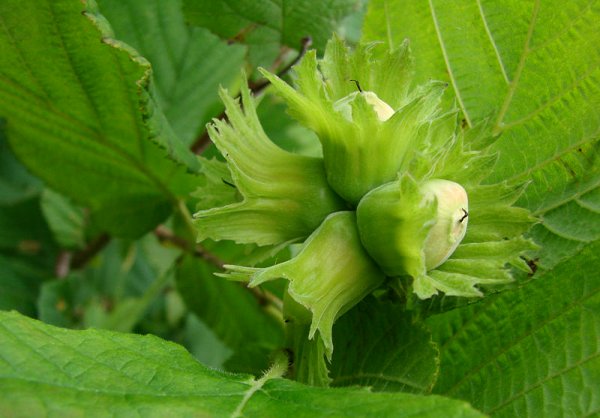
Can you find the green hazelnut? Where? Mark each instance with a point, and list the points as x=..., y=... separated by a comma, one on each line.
x=411, y=228
x=330, y=275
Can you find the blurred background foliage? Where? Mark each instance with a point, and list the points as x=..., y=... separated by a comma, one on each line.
x=59, y=264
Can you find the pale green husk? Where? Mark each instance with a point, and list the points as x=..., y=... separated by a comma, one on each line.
x=361, y=152
x=419, y=142
x=330, y=275
x=285, y=196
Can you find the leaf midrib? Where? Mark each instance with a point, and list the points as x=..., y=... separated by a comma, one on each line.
x=518, y=72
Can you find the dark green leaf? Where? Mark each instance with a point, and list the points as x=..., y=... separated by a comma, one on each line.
x=20, y=281
x=78, y=114
x=529, y=352
x=267, y=25
x=47, y=371
x=117, y=291
x=188, y=64
x=16, y=183
x=379, y=345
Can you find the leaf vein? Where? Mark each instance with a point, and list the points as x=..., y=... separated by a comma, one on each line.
x=493, y=356
x=542, y=381
x=515, y=81
x=552, y=100
x=447, y=61
x=492, y=41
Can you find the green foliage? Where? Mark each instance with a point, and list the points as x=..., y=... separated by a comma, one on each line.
x=101, y=105
x=384, y=348
x=241, y=323
x=266, y=25
x=64, y=372
x=73, y=102
x=284, y=195
x=16, y=184
x=543, y=106
x=538, y=344
x=188, y=64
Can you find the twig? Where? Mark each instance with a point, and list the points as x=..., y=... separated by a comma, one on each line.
x=262, y=296
x=165, y=235
x=305, y=43
x=203, y=141
x=67, y=260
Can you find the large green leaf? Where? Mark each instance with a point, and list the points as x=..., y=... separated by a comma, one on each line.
x=48, y=371
x=531, y=352
x=188, y=64
x=79, y=115
x=532, y=68
x=382, y=347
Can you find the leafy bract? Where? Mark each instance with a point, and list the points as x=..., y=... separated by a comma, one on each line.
x=532, y=351
x=79, y=115
x=188, y=64
x=56, y=372
x=360, y=150
x=331, y=273
x=285, y=196
x=381, y=163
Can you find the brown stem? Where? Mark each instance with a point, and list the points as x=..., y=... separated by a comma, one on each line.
x=163, y=234
x=94, y=247
x=203, y=141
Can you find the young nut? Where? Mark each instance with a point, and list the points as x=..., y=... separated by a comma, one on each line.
x=411, y=228
x=383, y=110
x=452, y=218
